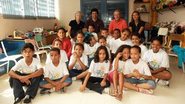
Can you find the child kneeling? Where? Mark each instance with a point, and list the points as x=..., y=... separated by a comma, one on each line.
x=55, y=74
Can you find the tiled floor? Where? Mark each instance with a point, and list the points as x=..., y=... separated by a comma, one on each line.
x=175, y=94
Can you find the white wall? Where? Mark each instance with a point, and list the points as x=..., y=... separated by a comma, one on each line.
x=168, y=15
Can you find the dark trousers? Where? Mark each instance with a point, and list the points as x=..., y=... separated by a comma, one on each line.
x=94, y=84
x=17, y=86
x=74, y=72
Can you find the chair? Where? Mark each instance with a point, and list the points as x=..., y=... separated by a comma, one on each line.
x=38, y=38
x=164, y=33
x=9, y=58
x=37, y=52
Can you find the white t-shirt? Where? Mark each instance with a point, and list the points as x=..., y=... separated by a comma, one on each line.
x=156, y=60
x=86, y=49
x=99, y=69
x=77, y=66
x=143, y=49
x=55, y=72
x=22, y=67
x=141, y=66
x=93, y=50
x=63, y=57
x=118, y=42
x=109, y=39
x=121, y=65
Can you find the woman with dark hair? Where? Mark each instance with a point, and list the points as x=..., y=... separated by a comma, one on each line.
x=137, y=25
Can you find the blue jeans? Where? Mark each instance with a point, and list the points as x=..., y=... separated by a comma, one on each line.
x=43, y=82
x=141, y=81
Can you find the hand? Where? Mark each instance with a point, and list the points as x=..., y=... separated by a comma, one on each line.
x=103, y=83
x=137, y=74
x=58, y=86
x=119, y=55
x=75, y=55
x=82, y=88
x=24, y=79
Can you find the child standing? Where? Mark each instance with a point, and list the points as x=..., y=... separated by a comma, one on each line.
x=27, y=72
x=78, y=62
x=158, y=62
x=116, y=76
x=96, y=79
x=55, y=73
x=136, y=40
x=57, y=43
x=137, y=73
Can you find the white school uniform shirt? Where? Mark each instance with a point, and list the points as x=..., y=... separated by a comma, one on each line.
x=99, y=69
x=77, y=66
x=109, y=39
x=63, y=57
x=55, y=72
x=93, y=49
x=143, y=49
x=141, y=66
x=86, y=49
x=118, y=42
x=121, y=65
x=156, y=60
x=23, y=68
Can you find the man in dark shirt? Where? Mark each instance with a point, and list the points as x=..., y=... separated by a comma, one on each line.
x=94, y=20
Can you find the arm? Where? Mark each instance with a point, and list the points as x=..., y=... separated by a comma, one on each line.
x=103, y=82
x=72, y=61
x=158, y=70
x=51, y=82
x=141, y=30
x=116, y=62
x=81, y=64
x=69, y=31
x=70, y=67
x=64, y=78
x=36, y=74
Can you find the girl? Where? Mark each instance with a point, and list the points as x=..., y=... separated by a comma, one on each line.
x=96, y=79
x=124, y=39
x=80, y=39
x=66, y=43
x=137, y=25
x=57, y=43
x=136, y=40
x=158, y=62
x=92, y=47
x=137, y=73
x=78, y=61
x=116, y=75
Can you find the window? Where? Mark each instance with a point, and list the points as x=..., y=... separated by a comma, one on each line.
x=27, y=8
x=106, y=8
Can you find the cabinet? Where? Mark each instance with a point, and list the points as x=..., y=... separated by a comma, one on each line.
x=145, y=7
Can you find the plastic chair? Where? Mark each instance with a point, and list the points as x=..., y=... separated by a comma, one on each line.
x=38, y=38
x=9, y=58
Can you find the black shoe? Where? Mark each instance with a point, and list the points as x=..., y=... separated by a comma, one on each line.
x=17, y=100
x=27, y=99
x=45, y=91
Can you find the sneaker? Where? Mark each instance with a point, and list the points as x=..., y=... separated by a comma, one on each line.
x=145, y=91
x=27, y=99
x=74, y=79
x=63, y=90
x=106, y=90
x=17, y=100
x=163, y=83
x=45, y=91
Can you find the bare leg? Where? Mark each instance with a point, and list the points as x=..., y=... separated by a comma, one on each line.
x=130, y=86
x=164, y=75
x=121, y=81
x=115, y=82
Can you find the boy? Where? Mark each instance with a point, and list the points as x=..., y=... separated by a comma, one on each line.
x=27, y=72
x=137, y=73
x=105, y=33
x=55, y=73
x=158, y=62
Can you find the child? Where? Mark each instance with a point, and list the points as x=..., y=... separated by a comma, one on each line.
x=91, y=30
x=136, y=40
x=123, y=40
x=92, y=46
x=57, y=43
x=66, y=43
x=78, y=62
x=27, y=72
x=137, y=73
x=104, y=32
x=158, y=62
x=55, y=73
x=80, y=39
x=96, y=79
x=116, y=75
